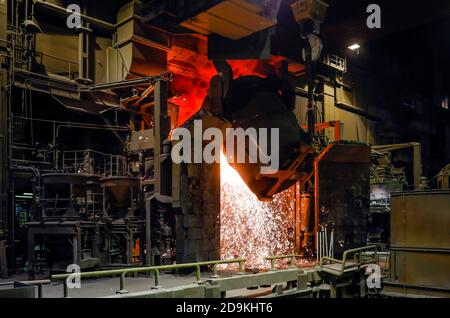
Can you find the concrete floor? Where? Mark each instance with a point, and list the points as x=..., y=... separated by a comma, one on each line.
x=100, y=287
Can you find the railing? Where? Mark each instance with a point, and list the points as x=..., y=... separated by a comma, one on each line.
x=153, y=269
x=56, y=65
x=93, y=162
x=358, y=260
x=272, y=260
x=92, y=204
x=336, y=62
x=39, y=283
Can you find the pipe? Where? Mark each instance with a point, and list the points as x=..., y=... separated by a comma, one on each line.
x=323, y=243
x=317, y=246
x=324, y=253
x=331, y=244
x=100, y=24
x=155, y=269
x=35, y=172
x=320, y=245
x=148, y=235
x=316, y=198
x=120, y=84
x=122, y=283
x=66, y=287
x=272, y=259
x=157, y=279
x=76, y=124
x=356, y=110
x=241, y=267
x=311, y=85
x=351, y=108
x=198, y=273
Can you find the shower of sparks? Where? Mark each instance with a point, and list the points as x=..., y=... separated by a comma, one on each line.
x=252, y=229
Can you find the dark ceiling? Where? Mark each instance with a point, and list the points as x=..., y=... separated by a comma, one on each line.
x=345, y=23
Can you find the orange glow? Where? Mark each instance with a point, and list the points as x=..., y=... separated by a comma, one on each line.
x=250, y=228
x=193, y=72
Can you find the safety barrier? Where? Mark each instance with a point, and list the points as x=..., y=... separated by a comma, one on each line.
x=272, y=260
x=39, y=283
x=153, y=269
x=345, y=264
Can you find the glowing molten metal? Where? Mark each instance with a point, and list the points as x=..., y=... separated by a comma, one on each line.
x=252, y=229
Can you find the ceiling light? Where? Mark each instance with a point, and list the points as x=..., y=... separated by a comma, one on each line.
x=354, y=47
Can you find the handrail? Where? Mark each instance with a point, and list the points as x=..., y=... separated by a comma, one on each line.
x=39, y=283
x=241, y=262
x=155, y=269
x=357, y=259
x=272, y=259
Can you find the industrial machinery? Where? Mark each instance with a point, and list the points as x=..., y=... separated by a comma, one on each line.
x=419, y=252
x=387, y=177
x=133, y=78
x=119, y=89
x=443, y=178
x=89, y=215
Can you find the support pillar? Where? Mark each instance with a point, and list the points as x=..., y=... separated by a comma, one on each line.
x=161, y=129
x=4, y=113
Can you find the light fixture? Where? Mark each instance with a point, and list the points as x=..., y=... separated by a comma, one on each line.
x=354, y=47
x=31, y=26
x=23, y=197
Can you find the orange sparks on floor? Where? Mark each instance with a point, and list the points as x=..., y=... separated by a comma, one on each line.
x=252, y=229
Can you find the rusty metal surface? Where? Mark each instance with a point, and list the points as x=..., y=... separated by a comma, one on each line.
x=197, y=217
x=121, y=190
x=248, y=18
x=342, y=193
x=421, y=220
x=420, y=236
x=421, y=269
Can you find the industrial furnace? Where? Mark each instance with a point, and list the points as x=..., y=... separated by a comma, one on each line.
x=229, y=135
x=161, y=68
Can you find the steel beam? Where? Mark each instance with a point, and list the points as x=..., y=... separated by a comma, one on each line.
x=61, y=11
x=417, y=157
x=4, y=175
x=162, y=128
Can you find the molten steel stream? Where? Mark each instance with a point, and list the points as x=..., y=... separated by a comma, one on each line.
x=250, y=228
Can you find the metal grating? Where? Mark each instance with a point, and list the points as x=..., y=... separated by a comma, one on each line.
x=336, y=62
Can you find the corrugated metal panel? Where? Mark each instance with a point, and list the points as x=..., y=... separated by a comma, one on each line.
x=421, y=220
x=233, y=19
x=420, y=235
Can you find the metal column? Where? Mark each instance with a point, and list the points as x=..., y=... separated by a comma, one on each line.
x=162, y=128
x=4, y=175
x=148, y=232
x=161, y=133
x=417, y=163
x=84, y=52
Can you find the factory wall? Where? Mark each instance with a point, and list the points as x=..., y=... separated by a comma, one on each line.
x=4, y=179
x=64, y=59
x=196, y=201
x=354, y=127
x=197, y=220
